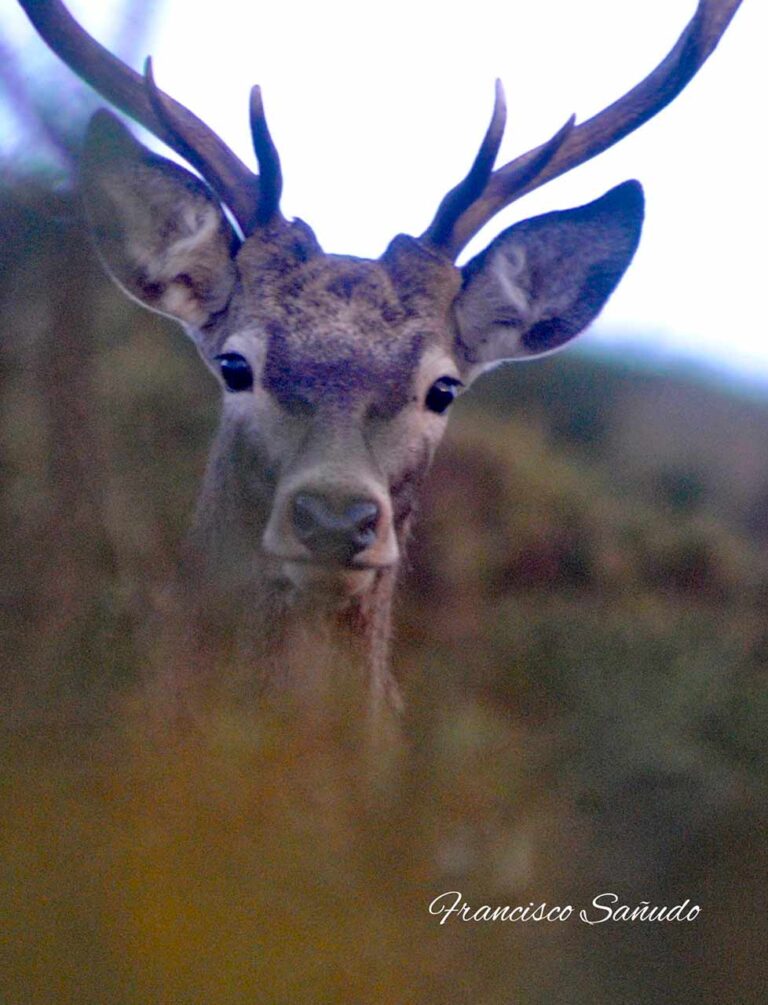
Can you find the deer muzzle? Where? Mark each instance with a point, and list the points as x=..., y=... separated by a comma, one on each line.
x=335, y=530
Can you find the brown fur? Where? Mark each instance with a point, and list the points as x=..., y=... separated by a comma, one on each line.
x=342, y=353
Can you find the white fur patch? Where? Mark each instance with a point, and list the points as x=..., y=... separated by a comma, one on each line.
x=179, y=301
x=506, y=267
x=201, y=221
x=495, y=309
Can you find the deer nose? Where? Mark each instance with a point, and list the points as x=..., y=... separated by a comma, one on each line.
x=335, y=530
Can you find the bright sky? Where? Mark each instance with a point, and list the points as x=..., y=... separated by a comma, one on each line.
x=377, y=110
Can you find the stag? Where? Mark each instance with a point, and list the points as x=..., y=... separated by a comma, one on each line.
x=337, y=373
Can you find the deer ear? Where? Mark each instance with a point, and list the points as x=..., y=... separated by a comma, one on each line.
x=544, y=280
x=161, y=234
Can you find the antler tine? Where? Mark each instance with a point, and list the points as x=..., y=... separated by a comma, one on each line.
x=584, y=141
x=471, y=187
x=270, y=173
x=181, y=131
x=440, y=234
x=140, y=98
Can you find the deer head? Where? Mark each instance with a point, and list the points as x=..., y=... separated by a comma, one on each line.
x=338, y=373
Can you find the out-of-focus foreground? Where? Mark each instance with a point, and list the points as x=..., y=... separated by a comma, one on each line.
x=582, y=643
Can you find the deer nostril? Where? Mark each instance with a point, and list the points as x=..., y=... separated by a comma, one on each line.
x=331, y=530
x=363, y=516
x=307, y=514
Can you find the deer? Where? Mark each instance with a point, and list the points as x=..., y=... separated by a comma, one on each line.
x=337, y=373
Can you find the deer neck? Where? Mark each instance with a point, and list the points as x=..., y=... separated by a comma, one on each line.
x=285, y=640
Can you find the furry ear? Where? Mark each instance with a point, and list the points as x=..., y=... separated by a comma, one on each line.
x=544, y=280
x=159, y=231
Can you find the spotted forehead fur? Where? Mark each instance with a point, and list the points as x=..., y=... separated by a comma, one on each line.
x=342, y=294
x=340, y=326
x=307, y=370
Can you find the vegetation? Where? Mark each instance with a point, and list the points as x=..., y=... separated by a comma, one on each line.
x=581, y=640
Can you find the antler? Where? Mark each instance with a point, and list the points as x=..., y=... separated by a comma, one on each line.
x=469, y=206
x=253, y=201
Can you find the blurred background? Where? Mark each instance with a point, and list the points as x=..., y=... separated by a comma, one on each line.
x=581, y=634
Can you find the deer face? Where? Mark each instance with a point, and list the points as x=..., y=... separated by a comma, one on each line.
x=337, y=373
x=337, y=376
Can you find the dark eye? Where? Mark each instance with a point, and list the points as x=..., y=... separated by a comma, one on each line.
x=236, y=371
x=442, y=393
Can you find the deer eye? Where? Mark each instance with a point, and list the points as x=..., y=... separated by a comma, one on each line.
x=236, y=371
x=442, y=393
